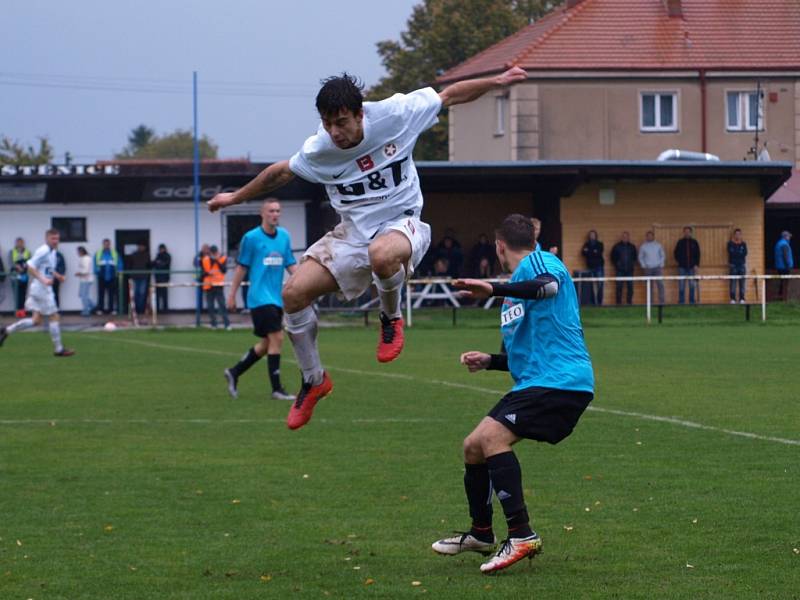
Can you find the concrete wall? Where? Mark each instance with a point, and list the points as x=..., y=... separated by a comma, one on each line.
x=713, y=208
x=564, y=119
x=170, y=223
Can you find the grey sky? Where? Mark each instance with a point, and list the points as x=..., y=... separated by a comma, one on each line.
x=272, y=53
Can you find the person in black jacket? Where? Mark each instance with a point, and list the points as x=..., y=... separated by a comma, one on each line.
x=624, y=255
x=61, y=269
x=162, y=262
x=687, y=255
x=737, y=259
x=593, y=253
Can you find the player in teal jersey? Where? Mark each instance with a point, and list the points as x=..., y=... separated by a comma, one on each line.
x=553, y=385
x=264, y=252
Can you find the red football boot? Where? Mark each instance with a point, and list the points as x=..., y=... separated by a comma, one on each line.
x=390, y=343
x=307, y=398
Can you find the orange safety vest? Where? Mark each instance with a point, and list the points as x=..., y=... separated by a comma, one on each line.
x=212, y=271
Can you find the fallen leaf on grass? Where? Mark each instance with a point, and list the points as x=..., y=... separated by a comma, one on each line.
x=19, y=542
x=305, y=475
x=568, y=528
x=236, y=501
x=796, y=550
x=587, y=509
x=416, y=583
x=635, y=510
x=597, y=503
x=369, y=581
x=266, y=578
x=108, y=528
x=694, y=521
x=688, y=566
x=587, y=477
x=356, y=568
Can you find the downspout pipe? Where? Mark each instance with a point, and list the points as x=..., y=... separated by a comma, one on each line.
x=703, y=139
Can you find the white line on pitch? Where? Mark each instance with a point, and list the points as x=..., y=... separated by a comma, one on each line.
x=464, y=386
x=204, y=421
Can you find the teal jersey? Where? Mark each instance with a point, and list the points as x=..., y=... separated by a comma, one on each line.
x=265, y=256
x=544, y=338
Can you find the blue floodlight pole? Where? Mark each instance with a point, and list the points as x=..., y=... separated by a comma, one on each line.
x=196, y=190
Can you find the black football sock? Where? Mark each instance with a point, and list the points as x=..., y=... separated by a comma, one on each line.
x=479, y=495
x=506, y=476
x=274, y=366
x=247, y=361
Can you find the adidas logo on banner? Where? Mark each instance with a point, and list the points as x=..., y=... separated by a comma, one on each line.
x=512, y=418
x=503, y=495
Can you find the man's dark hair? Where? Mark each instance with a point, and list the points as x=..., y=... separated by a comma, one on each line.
x=340, y=92
x=517, y=232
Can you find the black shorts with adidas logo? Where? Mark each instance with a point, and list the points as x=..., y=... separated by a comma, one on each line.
x=542, y=414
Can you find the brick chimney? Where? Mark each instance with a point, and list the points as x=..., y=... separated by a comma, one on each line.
x=573, y=3
x=674, y=8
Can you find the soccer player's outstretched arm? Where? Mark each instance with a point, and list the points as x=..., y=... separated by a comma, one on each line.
x=274, y=176
x=542, y=287
x=462, y=92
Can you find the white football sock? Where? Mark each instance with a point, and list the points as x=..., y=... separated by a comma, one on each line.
x=55, y=335
x=302, y=329
x=390, y=290
x=20, y=325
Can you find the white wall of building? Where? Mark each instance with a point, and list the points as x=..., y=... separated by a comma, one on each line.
x=170, y=223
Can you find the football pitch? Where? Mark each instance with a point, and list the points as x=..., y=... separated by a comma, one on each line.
x=126, y=472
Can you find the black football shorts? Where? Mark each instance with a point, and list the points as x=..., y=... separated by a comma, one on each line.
x=542, y=414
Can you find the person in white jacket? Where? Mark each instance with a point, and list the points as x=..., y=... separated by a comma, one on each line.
x=85, y=275
x=651, y=259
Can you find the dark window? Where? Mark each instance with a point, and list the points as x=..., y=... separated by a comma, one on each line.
x=72, y=229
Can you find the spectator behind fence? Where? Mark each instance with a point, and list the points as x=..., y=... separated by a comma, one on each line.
x=623, y=255
x=161, y=263
x=450, y=249
x=61, y=269
x=593, y=253
x=537, y=229
x=107, y=264
x=18, y=265
x=482, y=257
x=198, y=265
x=784, y=261
x=737, y=260
x=651, y=259
x=214, y=267
x=139, y=263
x=687, y=255
x=85, y=276
x=2, y=278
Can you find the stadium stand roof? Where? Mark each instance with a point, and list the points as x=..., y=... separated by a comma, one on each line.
x=614, y=35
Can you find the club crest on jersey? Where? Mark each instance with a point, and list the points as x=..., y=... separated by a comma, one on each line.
x=514, y=313
x=365, y=163
x=389, y=150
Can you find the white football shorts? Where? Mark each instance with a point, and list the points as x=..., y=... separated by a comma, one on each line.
x=42, y=301
x=347, y=257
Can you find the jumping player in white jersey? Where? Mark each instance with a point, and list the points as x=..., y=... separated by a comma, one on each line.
x=362, y=153
x=41, y=301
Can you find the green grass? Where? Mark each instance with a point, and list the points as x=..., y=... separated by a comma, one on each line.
x=127, y=473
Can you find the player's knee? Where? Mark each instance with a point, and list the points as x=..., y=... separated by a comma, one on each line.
x=473, y=451
x=381, y=258
x=293, y=299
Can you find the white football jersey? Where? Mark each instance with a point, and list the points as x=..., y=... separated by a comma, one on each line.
x=376, y=181
x=44, y=261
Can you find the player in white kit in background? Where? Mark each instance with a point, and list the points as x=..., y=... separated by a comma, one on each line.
x=41, y=301
x=362, y=153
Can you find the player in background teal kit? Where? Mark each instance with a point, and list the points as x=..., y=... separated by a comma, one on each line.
x=264, y=253
x=553, y=385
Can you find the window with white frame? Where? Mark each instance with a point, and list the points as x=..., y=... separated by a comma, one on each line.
x=658, y=111
x=500, y=109
x=745, y=111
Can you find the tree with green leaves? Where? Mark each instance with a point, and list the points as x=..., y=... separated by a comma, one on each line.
x=143, y=143
x=439, y=35
x=14, y=153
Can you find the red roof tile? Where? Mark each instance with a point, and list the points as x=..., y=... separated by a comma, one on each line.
x=639, y=34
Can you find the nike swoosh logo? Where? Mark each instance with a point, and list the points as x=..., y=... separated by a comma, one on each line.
x=339, y=175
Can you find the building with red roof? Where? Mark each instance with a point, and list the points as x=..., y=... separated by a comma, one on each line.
x=628, y=79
